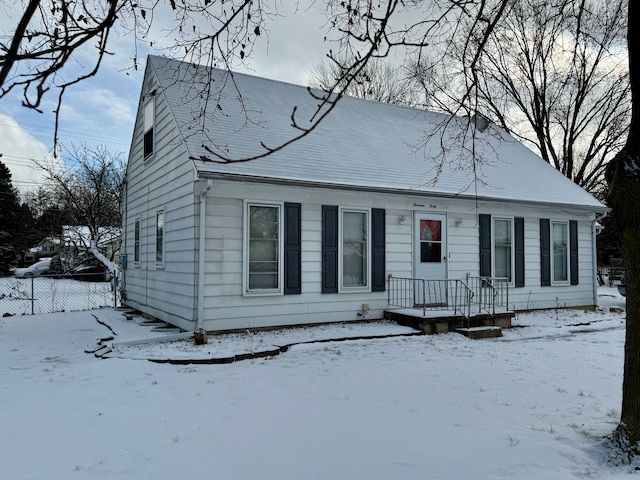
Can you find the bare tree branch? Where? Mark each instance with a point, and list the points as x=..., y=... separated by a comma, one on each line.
x=552, y=75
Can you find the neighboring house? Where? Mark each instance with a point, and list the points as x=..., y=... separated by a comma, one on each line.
x=47, y=247
x=312, y=232
x=50, y=246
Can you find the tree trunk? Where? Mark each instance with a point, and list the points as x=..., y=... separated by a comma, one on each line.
x=623, y=177
x=624, y=197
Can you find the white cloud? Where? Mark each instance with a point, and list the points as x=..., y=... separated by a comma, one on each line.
x=96, y=105
x=114, y=106
x=19, y=150
x=292, y=43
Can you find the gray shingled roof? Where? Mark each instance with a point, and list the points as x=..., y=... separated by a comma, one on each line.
x=361, y=144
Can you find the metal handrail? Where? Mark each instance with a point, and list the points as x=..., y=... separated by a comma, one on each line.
x=469, y=297
x=430, y=294
x=489, y=292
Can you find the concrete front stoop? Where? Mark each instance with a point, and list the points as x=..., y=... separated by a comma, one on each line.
x=433, y=322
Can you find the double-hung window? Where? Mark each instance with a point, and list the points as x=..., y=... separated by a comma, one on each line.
x=560, y=252
x=503, y=250
x=160, y=238
x=263, y=248
x=149, y=120
x=354, y=245
x=136, y=241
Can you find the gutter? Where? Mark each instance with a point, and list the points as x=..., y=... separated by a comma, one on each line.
x=395, y=191
x=201, y=249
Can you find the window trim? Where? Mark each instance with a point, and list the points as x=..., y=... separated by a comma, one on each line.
x=555, y=282
x=512, y=272
x=162, y=211
x=245, y=250
x=137, y=232
x=368, y=260
x=148, y=125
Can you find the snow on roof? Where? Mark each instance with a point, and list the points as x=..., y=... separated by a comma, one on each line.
x=360, y=144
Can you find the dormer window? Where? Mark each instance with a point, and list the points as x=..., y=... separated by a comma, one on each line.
x=149, y=120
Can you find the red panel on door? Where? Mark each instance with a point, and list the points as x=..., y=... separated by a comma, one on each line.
x=430, y=230
x=430, y=241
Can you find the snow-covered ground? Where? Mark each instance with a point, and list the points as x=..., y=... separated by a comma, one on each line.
x=533, y=404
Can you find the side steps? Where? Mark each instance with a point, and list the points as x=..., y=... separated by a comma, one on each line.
x=476, y=333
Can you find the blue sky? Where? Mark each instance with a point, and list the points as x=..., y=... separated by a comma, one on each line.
x=102, y=109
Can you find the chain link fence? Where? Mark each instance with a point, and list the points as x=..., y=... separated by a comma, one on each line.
x=48, y=294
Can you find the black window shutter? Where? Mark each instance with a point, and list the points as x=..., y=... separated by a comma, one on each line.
x=292, y=249
x=378, y=229
x=329, y=249
x=573, y=251
x=545, y=253
x=519, y=247
x=485, y=245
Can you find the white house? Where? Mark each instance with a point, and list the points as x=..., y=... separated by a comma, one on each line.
x=312, y=232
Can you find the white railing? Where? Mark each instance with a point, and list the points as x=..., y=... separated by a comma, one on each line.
x=429, y=295
x=477, y=294
x=489, y=292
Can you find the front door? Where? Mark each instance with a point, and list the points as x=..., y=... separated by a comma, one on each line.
x=430, y=259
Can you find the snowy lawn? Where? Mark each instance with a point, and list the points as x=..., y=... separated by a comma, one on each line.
x=533, y=404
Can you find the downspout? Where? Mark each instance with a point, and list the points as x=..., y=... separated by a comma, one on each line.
x=123, y=246
x=595, y=231
x=201, y=253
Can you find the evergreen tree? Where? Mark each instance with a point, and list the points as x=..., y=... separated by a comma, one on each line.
x=9, y=207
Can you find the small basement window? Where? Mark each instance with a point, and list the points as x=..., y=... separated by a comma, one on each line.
x=160, y=238
x=136, y=241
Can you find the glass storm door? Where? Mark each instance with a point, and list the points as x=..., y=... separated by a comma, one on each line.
x=430, y=259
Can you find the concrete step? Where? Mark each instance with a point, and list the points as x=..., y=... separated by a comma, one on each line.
x=152, y=323
x=476, y=333
x=166, y=328
x=103, y=353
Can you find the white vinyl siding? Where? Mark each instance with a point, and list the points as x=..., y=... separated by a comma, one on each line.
x=162, y=185
x=225, y=253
